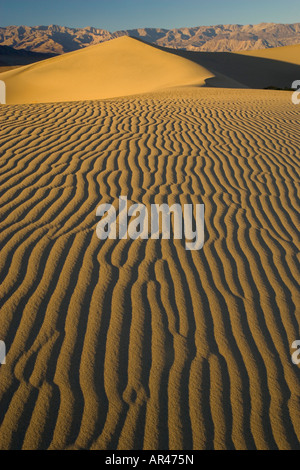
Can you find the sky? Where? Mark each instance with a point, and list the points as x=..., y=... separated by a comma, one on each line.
x=115, y=15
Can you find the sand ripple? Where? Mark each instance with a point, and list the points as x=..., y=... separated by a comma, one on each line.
x=142, y=344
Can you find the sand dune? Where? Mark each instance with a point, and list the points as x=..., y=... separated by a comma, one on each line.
x=277, y=67
x=7, y=68
x=127, y=66
x=129, y=344
x=290, y=54
x=123, y=66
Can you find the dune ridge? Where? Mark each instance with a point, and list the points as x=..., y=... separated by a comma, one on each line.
x=289, y=54
x=129, y=344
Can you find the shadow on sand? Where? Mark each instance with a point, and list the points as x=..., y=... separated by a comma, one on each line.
x=248, y=71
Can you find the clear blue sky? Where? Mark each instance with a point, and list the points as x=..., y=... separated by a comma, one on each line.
x=128, y=14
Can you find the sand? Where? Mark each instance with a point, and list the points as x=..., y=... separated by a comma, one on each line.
x=290, y=54
x=8, y=68
x=124, y=344
x=141, y=344
x=278, y=67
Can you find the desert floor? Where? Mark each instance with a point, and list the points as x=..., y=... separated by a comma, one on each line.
x=141, y=344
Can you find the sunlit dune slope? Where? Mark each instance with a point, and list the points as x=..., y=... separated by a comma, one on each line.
x=123, y=66
x=290, y=54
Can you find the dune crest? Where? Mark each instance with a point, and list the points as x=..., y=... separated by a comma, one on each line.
x=290, y=54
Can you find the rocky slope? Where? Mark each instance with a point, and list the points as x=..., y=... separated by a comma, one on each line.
x=221, y=38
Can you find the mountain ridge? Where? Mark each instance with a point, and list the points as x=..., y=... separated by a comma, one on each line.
x=57, y=39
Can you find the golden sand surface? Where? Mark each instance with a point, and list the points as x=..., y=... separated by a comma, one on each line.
x=141, y=344
x=290, y=54
x=8, y=68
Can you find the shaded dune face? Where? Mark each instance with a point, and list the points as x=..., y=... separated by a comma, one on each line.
x=289, y=54
x=277, y=67
x=141, y=344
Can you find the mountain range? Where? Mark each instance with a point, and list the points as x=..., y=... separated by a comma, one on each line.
x=55, y=39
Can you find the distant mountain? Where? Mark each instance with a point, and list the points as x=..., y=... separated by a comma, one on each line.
x=221, y=38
